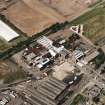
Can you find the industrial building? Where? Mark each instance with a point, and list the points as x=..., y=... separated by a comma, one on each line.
x=43, y=53
x=37, y=56
x=48, y=92
x=78, y=54
x=91, y=56
x=6, y=32
x=48, y=44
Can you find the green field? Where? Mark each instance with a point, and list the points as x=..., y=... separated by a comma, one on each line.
x=94, y=23
x=95, y=26
x=3, y=45
x=11, y=77
x=6, y=45
x=79, y=99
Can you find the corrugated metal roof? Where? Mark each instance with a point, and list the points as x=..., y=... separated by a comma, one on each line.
x=46, y=92
x=58, y=82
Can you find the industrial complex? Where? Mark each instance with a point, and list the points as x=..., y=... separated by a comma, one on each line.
x=52, y=52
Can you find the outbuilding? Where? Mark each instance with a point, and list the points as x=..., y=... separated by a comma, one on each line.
x=6, y=32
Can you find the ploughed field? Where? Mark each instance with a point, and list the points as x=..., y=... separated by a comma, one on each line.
x=33, y=16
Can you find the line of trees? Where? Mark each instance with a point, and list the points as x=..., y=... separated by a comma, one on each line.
x=23, y=44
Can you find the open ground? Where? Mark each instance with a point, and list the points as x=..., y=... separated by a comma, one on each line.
x=94, y=23
x=68, y=8
x=33, y=16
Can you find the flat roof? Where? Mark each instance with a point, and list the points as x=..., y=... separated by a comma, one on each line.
x=6, y=32
x=91, y=56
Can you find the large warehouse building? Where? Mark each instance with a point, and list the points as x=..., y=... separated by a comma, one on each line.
x=49, y=92
x=6, y=32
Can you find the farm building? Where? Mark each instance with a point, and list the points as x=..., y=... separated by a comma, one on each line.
x=6, y=32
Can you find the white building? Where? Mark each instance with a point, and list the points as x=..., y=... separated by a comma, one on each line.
x=78, y=54
x=6, y=32
x=47, y=43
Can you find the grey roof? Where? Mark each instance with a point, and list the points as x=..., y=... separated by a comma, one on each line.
x=46, y=93
x=58, y=83
x=50, y=87
x=39, y=98
x=42, y=99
